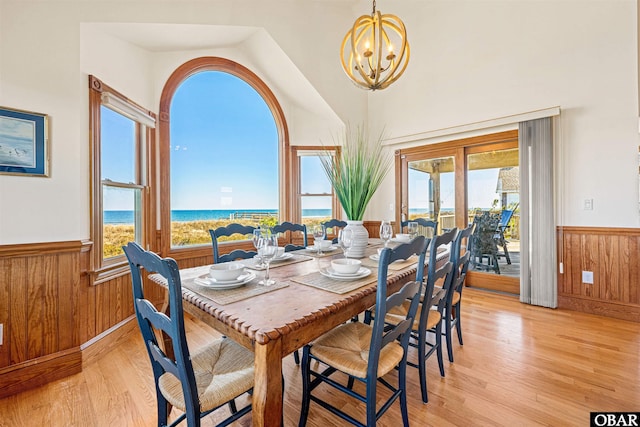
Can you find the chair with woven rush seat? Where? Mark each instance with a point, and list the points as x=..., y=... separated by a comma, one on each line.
x=428, y=319
x=290, y=228
x=228, y=231
x=460, y=257
x=196, y=383
x=426, y=225
x=367, y=352
x=335, y=225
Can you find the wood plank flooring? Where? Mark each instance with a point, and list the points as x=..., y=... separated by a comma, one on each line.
x=520, y=366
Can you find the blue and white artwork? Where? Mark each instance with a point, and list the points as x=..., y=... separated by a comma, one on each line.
x=17, y=142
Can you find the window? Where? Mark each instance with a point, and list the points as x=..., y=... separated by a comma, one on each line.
x=315, y=199
x=120, y=132
x=224, y=143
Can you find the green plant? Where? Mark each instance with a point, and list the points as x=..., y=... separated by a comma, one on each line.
x=358, y=171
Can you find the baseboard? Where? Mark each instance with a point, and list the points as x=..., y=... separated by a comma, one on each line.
x=601, y=308
x=40, y=371
x=37, y=372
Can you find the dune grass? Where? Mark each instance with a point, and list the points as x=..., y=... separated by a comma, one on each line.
x=182, y=233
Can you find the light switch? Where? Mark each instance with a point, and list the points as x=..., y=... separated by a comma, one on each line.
x=588, y=204
x=587, y=277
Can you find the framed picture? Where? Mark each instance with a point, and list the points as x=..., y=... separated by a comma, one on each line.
x=24, y=143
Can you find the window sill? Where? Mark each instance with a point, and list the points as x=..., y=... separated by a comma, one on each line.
x=109, y=272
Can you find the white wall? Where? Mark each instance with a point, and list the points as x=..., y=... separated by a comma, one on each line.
x=473, y=61
x=43, y=70
x=470, y=61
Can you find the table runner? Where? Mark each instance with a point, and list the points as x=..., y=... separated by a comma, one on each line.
x=317, y=280
x=252, y=263
x=221, y=296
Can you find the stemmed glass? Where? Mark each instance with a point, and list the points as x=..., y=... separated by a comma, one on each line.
x=268, y=248
x=345, y=237
x=412, y=229
x=257, y=233
x=318, y=234
x=386, y=232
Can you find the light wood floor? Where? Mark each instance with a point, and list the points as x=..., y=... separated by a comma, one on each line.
x=520, y=366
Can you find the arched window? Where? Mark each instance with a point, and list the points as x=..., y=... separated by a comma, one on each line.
x=223, y=145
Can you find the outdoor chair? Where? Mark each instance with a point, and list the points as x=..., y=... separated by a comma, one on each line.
x=484, y=248
x=426, y=227
x=196, y=383
x=367, y=352
x=505, y=217
x=289, y=229
x=228, y=231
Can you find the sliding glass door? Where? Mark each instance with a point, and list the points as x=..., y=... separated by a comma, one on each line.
x=464, y=181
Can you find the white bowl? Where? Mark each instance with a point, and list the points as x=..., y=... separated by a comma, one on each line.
x=346, y=265
x=226, y=271
x=324, y=244
x=403, y=237
x=280, y=252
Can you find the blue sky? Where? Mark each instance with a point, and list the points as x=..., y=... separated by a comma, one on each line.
x=223, y=146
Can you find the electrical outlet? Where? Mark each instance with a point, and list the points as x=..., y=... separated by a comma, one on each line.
x=587, y=277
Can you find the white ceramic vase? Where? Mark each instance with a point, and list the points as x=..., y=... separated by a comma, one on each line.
x=359, y=241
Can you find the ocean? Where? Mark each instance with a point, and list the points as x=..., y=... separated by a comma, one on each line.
x=126, y=217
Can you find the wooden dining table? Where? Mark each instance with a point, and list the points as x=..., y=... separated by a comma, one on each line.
x=275, y=321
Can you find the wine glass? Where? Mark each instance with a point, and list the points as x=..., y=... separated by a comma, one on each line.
x=386, y=232
x=412, y=229
x=268, y=247
x=345, y=237
x=318, y=234
x=257, y=233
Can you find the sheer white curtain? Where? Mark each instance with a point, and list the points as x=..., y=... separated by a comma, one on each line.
x=537, y=222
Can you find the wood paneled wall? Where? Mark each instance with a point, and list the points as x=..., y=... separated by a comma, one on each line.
x=49, y=309
x=612, y=255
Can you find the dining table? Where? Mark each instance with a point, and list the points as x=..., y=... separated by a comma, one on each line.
x=306, y=301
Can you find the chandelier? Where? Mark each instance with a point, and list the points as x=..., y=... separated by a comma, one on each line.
x=375, y=52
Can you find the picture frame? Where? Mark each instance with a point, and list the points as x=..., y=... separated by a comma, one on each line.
x=24, y=143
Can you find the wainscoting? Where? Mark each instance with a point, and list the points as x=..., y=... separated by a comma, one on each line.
x=54, y=318
x=612, y=255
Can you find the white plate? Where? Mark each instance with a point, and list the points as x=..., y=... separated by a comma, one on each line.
x=284, y=256
x=314, y=249
x=396, y=240
x=374, y=257
x=329, y=272
x=210, y=282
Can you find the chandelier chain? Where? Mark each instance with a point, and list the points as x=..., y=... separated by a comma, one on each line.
x=374, y=8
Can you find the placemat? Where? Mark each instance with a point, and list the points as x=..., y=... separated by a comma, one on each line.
x=319, y=281
x=221, y=296
x=394, y=266
x=252, y=263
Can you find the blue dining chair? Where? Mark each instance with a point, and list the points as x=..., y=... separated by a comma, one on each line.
x=460, y=257
x=429, y=320
x=229, y=230
x=367, y=352
x=196, y=383
x=291, y=228
x=429, y=227
x=335, y=225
